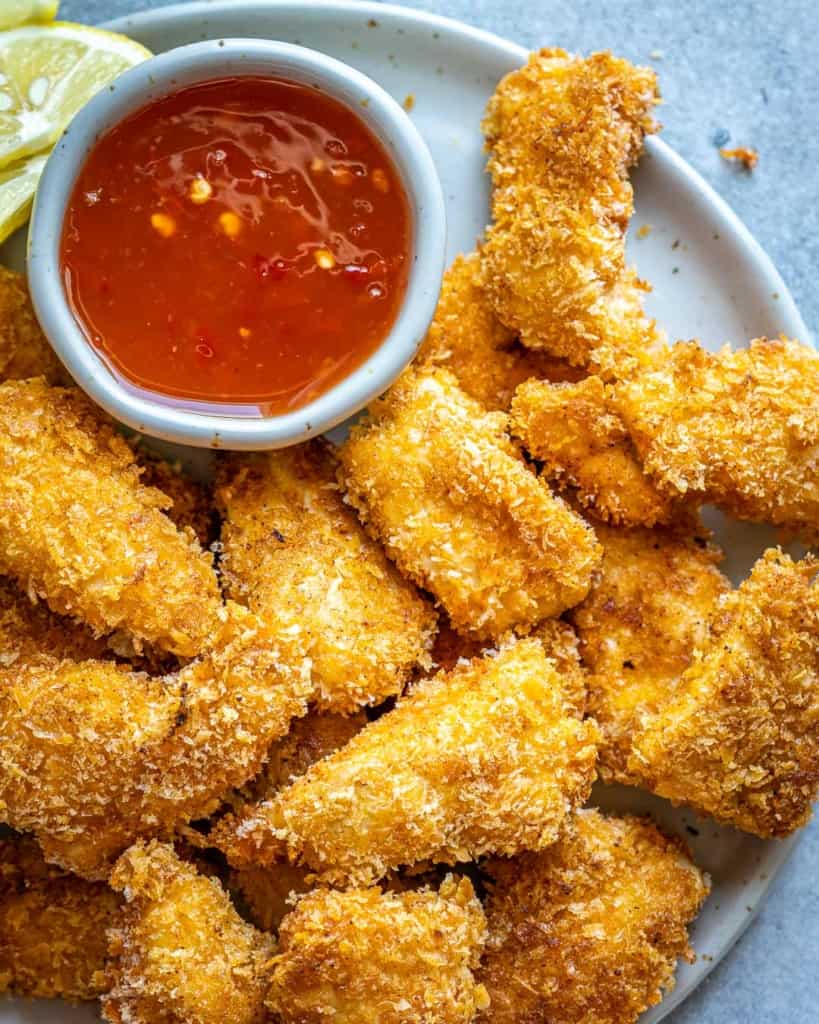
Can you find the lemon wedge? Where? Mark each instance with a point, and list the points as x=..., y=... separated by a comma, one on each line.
x=18, y=183
x=47, y=72
x=19, y=12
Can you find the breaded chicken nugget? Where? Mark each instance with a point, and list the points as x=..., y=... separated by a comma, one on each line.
x=740, y=739
x=297, y=555
x=467, y=338
x=181, y=954
x=489, y=757
x=94, y=754
x=583, y=444
x=589, y=931
x=562, y=132
x=369, y=957
x=79, y=530
x=739, y=429
x=437, y=480
x=52, y=927
x=24, y=349
x=646, y=615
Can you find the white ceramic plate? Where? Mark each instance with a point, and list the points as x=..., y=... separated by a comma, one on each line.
x=711, y=281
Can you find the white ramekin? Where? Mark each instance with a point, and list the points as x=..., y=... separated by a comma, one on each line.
x=187, y=66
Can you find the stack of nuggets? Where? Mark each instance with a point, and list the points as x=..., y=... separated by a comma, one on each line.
x=411, y=845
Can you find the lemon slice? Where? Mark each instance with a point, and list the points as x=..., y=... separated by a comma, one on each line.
x=47, y=72
x=18, y=183
x=19, y=12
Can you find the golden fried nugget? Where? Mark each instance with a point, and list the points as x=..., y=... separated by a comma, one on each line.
x=583, y=444
x=489, y=757
x=94, y=754
x=369, y=957
x=740, y=739
x=24, y=349
x=562, y=132
x=267, y=893
x=181, y=954
x=29, y=629
x=79, y=530
x=639, y=627
x=739, y=429
x=589, y=931
x=192, y=504
x=437, y=480
x=467, y=338
x=297, y=555
x=52, y=927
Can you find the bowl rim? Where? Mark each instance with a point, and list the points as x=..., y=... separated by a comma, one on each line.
x=200, y=62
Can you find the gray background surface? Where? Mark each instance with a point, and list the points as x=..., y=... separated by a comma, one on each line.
x=749, y=70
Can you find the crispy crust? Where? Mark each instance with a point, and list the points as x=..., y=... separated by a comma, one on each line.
x=52, y=927
x=739, y=429
x=191, y=502
x=467, y=338
x=267, y=891
x=368, y=957
x=646, y=615
x=297, y=555
x=94, y=754
x=24, y=349
x=181, y=954
x=583, y=444
x=489, y=757
x=28, y=629
x=590, y=929
x=740, y=740
x=78, y=530
x=436, y=479
x=562, y=132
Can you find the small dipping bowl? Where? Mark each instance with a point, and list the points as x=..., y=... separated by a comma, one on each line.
x=162, y=76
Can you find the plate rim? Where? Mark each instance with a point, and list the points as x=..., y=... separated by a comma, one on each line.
x=152, y=19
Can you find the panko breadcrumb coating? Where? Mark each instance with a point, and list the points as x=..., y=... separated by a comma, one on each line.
x=181, y=954
x=78, y=530
x=298, y=557
x=192, y=504
x=310, y=739
x=24, y=349
x=52, y=927
x=467, y=338
x=562, y=132
x=29, y=629
x=487, y=758
x=740, y=740
x=739, y=429
x=646, y=615
x=583, y=444
x=369, y=957
x=94, y=754
x=266, y=890
x=437, y=480
x=589, y=931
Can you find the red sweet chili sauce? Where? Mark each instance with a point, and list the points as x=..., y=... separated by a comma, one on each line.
x=237, y=247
